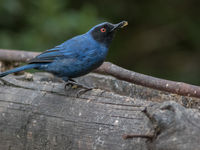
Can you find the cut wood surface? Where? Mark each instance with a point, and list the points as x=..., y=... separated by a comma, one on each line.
x=36, y=112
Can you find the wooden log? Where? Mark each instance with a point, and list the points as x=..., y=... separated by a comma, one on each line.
x=36, y=112
x=176, y=128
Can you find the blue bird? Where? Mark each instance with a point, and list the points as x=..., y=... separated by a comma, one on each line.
x=76, y=56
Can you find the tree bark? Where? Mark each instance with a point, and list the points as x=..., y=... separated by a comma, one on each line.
x=36, y=112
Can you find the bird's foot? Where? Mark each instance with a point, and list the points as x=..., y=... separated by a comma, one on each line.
x=74, y=85
x=82, y=91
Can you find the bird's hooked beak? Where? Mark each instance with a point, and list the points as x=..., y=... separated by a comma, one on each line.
x=119, y=25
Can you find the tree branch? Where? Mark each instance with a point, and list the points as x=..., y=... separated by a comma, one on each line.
x=16, y=55
x=108, y=68
x=179, y=88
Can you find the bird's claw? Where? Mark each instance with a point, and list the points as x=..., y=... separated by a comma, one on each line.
x=68, y=84
x=82, y=91
x=75, y=85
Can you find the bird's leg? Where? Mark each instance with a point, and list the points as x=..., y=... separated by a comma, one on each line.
x=74, y=84
x=70, y=82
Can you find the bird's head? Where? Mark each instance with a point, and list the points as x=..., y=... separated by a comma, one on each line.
x=104, y=32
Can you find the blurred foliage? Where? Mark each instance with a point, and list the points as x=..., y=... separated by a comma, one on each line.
x=162, y=38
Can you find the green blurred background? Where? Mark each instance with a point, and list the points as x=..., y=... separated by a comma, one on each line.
x=162, y=39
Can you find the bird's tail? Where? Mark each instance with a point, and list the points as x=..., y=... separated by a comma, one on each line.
x=29, y=66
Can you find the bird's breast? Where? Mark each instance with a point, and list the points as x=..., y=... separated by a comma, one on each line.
x=94, y=58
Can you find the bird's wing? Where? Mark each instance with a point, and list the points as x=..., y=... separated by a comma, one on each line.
x=47, y=56
x=71, y=49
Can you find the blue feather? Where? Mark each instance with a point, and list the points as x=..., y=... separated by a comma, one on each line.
x=29, y=66
x=77, y=56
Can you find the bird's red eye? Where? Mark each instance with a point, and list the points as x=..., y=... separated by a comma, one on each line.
x=103, y=29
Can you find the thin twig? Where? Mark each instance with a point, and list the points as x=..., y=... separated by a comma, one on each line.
x=179, y=88
x=16, y=55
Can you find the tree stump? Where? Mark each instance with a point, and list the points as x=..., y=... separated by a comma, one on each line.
x=38, y=113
